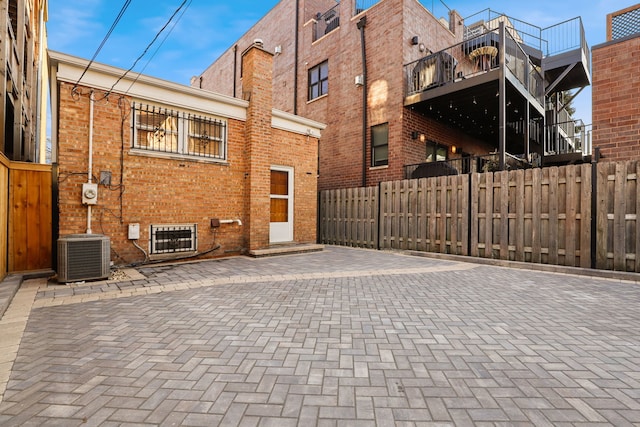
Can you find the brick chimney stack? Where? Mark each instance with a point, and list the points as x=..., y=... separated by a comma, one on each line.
x=257, y=87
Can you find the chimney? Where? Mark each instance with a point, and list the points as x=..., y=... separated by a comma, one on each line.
x=257, y=87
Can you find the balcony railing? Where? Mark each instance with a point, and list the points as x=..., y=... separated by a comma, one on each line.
x=571, y=136
x=438, y=8
x=463, y=165
x=326, y=22
x=564, y=37
x=472, y=57
x=489, y=20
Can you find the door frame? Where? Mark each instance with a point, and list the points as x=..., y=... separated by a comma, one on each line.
x=277, y=229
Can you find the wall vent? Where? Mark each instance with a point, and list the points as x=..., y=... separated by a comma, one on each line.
x=83, y=257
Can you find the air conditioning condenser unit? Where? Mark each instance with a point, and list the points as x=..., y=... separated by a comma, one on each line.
x=83, y=257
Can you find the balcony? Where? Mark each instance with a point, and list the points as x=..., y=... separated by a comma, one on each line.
x=463, y=165
x=438, y=8
x=493, y=86
x=326, y=22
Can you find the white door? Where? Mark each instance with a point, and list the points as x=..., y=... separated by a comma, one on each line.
x=281, y=225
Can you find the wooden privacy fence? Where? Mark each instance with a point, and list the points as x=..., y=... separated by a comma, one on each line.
x=578, y=215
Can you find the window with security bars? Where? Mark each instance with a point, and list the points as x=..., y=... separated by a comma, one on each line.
x=167, y=239
x=165, y=130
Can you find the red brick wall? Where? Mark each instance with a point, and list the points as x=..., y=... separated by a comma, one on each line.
x=147, y=189
x=615, y=92
x=390, y=26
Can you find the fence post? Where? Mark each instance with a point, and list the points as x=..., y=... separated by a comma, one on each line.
x=378, y=212
x=594, y=205
x=469, y=221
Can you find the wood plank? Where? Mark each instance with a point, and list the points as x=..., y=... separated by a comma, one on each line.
x=18, y=201
x=601, y=216
x=453, y=227
x=464, y=217
x=423, y=234
x=504, y=215
x=413, y=215
x=433, y=208
x=488, y=230
x=585, y=215
x=4, y=216
x=572, y=195
x=520, y=211
x=536, y=215
x=553, y=215
x=387, y=218
x=620, y=209
x=442, y=224
x=475, y=218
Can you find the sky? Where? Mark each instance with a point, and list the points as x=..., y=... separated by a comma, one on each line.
x=203, y=29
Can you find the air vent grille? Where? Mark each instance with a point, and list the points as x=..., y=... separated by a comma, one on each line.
x=83, y=257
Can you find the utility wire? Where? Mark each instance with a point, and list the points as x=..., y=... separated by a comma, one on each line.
x=106, y=37
x=147, y=48
x=158, y=48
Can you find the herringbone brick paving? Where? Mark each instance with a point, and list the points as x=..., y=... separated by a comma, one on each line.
x=342, y=337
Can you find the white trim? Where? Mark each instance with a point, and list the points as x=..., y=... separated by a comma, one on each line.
x=290, y=211
x=68, y=68
x=101, y=76
x=292, y=123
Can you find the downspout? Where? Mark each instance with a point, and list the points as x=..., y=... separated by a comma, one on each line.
x=41, y=61
x=362, y=23
x=90, y=159
x=295, y=61
x=235, y=68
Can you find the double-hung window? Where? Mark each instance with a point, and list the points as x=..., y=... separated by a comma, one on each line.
x=319, y=80
x=380, y=145
x=170, y=131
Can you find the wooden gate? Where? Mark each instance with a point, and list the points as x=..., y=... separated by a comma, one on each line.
x=29, y=217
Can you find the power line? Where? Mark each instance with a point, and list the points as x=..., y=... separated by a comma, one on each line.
x=158, y=48
x=148, y=47
x=106, y=37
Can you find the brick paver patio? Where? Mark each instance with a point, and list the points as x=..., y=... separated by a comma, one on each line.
x=343, y=337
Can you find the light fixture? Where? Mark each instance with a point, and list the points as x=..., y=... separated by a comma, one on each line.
x=414, y=40
x=450, y=104
x=454, y=149
x=474, y=101
x=422, y=47
x=419, y=136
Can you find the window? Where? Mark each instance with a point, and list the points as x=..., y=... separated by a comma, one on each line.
x=319, y=80
x=166, y=239
x=436, y=152
x=170, y=131
x=380, y=145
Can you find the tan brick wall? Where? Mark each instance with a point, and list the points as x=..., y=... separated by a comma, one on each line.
x=146, y=189
x=615, y=92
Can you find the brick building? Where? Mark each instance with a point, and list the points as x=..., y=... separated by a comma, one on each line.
x=167, y=171
x=398, y=85
x=616, y=87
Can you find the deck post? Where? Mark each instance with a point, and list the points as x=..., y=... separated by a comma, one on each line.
x=502, y=100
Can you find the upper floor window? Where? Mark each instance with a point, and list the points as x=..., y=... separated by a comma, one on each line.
x=169, y=131
x=380, y=145
x=319, y=80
